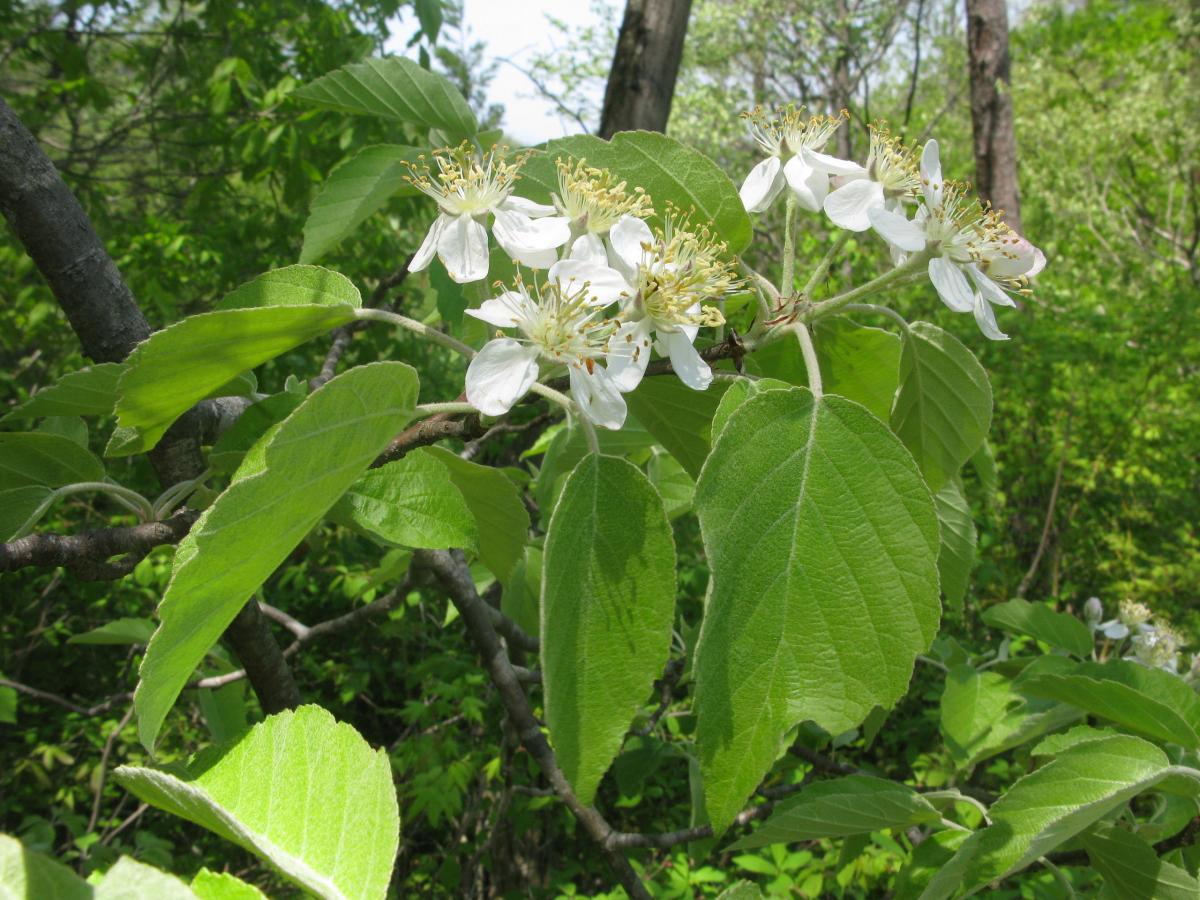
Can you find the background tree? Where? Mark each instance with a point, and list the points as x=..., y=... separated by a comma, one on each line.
x=641, y=79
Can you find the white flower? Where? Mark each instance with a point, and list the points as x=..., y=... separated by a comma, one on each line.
x=469, y=186
x=1157, y=647
x=668, y=276
x=888, y=180
x=593, y=201
x=1132, y=617
x=792, y=143
x=975, y=258
x=564, y=324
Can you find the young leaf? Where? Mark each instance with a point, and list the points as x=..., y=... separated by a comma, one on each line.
x=223, y=886
x=1131, y=868
x=944, y=407
x=297, y=285
x=303, y=791
x=855, y=804
x=956, y=555
x=180, y=365
x=412, y=502
x=133, y=880
x=670, y=172
x=272, y=502
x=859, y=363
x=352, y=192
x=1049, y=807
x=88, y=392
x=1057, y=629
x=501, y=518
x=31, y=458
x=677, y=417
x=1147, y=701
x=822, y=540
x=26, y=875
x=983, y=713
x=393, y=88
x=608, y=603
x=119, y=632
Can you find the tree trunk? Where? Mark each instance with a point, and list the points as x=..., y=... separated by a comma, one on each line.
x=991, y=108
x=58, y=235
x=641, y=81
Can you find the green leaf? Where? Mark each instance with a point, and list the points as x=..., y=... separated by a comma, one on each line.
x=223, y=886
x=735, y=395
x=741, y=890
x=608, y=603
x=133, y=880
x=176, y=367
x=859, y=363
x=569, y=446
x=297, y=285
x=30, y=458
x=25, y=875
x=72, y=428
x=984, y=713
x=956, y=554
x=272, y=502
x=411, y=502
x=117, y=632
x=429, y=14
x=677, y=417
x=521, y=599
x=856, y=804
x=17, y=508
x=320, y=805
x=1043, y=810
x=88, y=392
x=1080, y=734
x=451, y=301
x=8, y=708
x=355, y=190
x=1132, y=869
x=495, y=502
x=393, y=88
x=822, y=540
x=984, y=463
x=673, y=484
x=1147, y=701
x=670, y=172
x=231, y=447
x=944, y=407
x=1057, y=629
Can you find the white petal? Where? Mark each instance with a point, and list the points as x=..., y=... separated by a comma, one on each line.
x=519, y=234
x=1019, y=258
x=428, y=246
x=531, y=209
x=604, y=285
x=989, y=288
x=597, y=396
x=500, y=375
x=590, y=248
x=463, y=248
x=931, y=173
x=627, y=238
x=691, y=369
x=985, y=317
x=847, y=207
x=808, y=184
x=952, y=285
x=1114, y=630
x=629, y=354
x=897, y=230
x=506, y=311
x=762, y=185
x=833, y=165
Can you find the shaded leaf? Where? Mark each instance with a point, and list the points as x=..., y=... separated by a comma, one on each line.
x=31, y=458
x=1058, y=629
x=677, y=417
x=117, y=632
x=859, y=363
x=88, y=392
x=956, y=553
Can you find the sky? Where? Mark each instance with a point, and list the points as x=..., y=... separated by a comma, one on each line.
x=517, y=30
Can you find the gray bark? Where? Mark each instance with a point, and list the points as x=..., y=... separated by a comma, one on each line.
x=991, y=108
x=641, y=82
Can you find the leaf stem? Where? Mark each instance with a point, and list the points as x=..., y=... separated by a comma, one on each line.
x=589, y=430
x=787, y=281
x=432, y=334
x=880, y=310
x=909, y=267
x=822, y=269
x=433, y=409
x=811, y=365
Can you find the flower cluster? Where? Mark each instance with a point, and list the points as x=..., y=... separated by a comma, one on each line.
x=615, y=290
x=1153, y=643
x=975, y=261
